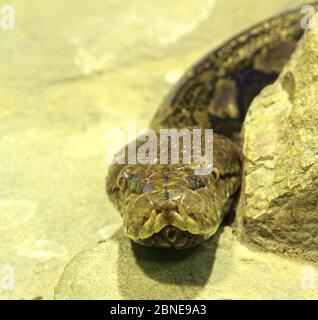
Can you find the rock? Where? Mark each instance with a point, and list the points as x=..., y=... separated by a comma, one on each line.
x=278, y=209
x=221, y=268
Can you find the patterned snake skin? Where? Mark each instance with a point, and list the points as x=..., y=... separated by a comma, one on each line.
x=167, y=205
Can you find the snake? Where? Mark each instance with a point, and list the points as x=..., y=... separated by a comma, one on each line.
x=168, y=205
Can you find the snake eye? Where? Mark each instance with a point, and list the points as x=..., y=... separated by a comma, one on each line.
x=135, y=185
x=197, y=182
x=122, y=182
x=131, y=183
x=215, y=173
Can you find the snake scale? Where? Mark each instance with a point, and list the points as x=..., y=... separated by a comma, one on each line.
x=167, y=205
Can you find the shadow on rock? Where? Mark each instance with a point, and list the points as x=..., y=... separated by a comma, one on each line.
x=152, y=273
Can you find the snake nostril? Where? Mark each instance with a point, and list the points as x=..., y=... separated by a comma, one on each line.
x=191, y=215
x=158, y=211
x=176, y=209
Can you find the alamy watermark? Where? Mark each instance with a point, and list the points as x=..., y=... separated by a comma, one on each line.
x=6, y=277
x=307, y=281
x=165, y=147
x=309, y=20
x=7, y=17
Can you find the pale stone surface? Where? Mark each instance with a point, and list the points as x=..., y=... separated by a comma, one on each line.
x=69, y=73
x=220, y=269
x=279, y=207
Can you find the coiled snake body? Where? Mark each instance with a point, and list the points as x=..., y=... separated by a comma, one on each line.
x=167, y=205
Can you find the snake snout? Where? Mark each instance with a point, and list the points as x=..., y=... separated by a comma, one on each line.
x=177, y=222
x=168, y=206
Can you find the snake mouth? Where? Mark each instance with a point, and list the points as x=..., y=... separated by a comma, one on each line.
x=171, y=237
x=169, y=226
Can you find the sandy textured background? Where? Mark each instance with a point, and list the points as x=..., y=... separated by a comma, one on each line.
x=70, y=71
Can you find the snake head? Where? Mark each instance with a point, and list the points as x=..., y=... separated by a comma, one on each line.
x=170, y=206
